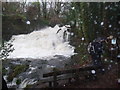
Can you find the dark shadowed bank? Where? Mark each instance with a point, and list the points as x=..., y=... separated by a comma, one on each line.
x=108, y=79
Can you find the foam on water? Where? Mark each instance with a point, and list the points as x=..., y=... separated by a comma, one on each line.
x=26, y=82
x=42, y=44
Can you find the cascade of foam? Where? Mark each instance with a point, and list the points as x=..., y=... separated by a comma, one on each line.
x=26, y=82
x=10, y=84
x=42, y=44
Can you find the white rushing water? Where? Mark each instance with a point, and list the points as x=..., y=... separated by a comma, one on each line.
x=42, y=44
x=26, y=82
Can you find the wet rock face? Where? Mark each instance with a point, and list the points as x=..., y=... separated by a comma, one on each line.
x=29, y=70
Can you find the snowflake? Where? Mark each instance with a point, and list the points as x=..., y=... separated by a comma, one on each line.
x=106, y=8
x=105, y=59
x=102, y=23
x=111, y=61
x=28, y=22
x=103, y=69
x=73, y=8
x=95, y=22
x=110, y=26
x=118, y=80
x=118, y=22
x=83, y=38
x=93, y=71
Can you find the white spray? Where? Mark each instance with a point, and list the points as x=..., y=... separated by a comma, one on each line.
x=42, y=44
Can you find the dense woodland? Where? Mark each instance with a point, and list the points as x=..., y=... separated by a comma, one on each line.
x=87, y=19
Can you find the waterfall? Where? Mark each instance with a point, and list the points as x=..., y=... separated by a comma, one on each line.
x=42, y=44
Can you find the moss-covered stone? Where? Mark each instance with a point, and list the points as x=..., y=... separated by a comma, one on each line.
x=28, y=86
x=16, y=71
x=4, y=71
x=18, y=81
x=55, y=69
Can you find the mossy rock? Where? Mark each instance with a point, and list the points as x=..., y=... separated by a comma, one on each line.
x=18, y=81
x=55, y=69
x=28, y=86
x=10, y=77
x=16, y=71
x=4, y=71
